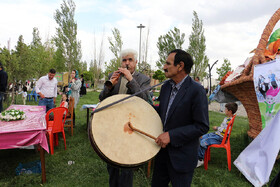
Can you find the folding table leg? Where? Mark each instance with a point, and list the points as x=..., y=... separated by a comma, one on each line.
x=42, y=158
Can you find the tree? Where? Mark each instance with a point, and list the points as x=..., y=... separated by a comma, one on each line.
x=96, y=73
x=143, y=66
x=168, y=42
x=226, y=66
x=83, y=67
x=87, y=75
x=40, y=61
x=97, y=63
x=21, y=71
x=197, y=48
x=66, y=36
x=115, y=47
x=159, y=75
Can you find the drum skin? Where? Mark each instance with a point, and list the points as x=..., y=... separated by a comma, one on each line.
x=115, y=142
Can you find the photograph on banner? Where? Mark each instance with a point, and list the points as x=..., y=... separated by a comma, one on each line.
x=267, y=87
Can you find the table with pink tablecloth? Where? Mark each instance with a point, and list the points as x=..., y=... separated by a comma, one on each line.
x=30, y=131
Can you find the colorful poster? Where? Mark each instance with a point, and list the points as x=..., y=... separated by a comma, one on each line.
x=256, y=161
x=267, y=87
x=58, y=76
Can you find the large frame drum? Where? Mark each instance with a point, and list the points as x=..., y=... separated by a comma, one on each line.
x=115, y=142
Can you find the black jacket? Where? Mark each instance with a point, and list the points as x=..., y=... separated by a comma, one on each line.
x=3, y=80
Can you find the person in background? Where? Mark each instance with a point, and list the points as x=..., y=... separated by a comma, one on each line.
x=3, y=85
x=24, y=94
x=129, y=82
x=183, y=110
x=197, y=79
x=217, y=136
x=64, y=100
x=46, y=87
x=74, y=90
x=83, y=90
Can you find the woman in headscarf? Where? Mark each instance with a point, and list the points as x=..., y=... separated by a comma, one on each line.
x=74, y=90
x=75, y=86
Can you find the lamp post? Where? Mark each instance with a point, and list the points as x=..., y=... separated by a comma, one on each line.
x=210, y=68
x=140, y=27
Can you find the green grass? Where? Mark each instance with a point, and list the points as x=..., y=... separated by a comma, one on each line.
x=90, y=170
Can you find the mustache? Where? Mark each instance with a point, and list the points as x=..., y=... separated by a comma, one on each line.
x=165, y=70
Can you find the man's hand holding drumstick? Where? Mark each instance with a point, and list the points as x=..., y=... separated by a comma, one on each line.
x=163, y=139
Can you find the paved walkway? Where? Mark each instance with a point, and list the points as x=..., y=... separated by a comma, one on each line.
x=214, y=106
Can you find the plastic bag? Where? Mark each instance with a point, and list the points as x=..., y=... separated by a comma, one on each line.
x=29, y=168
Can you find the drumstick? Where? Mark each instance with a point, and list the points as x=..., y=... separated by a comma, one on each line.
x=116, y=102
x=137, y=130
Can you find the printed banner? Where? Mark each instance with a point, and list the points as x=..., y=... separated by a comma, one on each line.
x=267, y=86
x=257, y=159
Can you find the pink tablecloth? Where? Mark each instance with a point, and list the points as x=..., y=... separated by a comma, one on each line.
x=30, y=131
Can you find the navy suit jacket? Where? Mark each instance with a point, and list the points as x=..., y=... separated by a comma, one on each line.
x=187, y=120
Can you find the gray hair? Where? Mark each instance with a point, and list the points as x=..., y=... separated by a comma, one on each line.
x=128, y=52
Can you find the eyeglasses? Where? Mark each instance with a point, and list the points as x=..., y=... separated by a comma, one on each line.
x=124, y=59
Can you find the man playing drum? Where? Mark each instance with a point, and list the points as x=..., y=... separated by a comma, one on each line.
x=125, y=81
x=183, y=110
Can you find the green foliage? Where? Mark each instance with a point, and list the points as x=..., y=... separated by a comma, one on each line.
x=22, y=54
x=83, y=66
x=87, y=75
x=197, y=48
x=168, y=42
x=116, y=43
x=41, y=57
x=226, y=66
x=96, y=71
x=115, y=47
x=144, y=68
x=159, y=75
x=9, y=61
x=66, y=37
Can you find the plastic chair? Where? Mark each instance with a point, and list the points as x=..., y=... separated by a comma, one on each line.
x=56, y=126
x=69, y=117
x=225, y=144
x=32, y=95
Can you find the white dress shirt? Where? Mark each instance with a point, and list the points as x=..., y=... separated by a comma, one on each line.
x=47, y=87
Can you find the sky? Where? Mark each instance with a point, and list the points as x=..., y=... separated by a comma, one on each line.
x=232, y=28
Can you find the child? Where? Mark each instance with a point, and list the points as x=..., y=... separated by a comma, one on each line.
x=217, y=136
x=64, y=102
x=24, y=94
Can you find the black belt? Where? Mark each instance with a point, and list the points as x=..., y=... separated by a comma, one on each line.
x=49, y=97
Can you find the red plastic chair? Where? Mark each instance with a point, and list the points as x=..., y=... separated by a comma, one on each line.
x=225, y=144
x=57, y=125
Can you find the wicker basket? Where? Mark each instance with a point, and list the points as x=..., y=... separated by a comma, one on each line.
x=243, y=88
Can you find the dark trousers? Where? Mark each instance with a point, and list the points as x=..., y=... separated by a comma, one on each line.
x=164, y=173
x=276, y=181
x=119, y=177
x=1, y=100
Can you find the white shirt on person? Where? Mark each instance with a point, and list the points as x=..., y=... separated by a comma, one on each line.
x=24, y=94
x=46, y=86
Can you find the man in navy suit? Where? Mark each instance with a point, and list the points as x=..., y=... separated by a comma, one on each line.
x=183, y=110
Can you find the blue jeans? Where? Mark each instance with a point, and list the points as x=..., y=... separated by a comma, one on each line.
x=1, y=101
x=46, y=102
x=206, y=140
